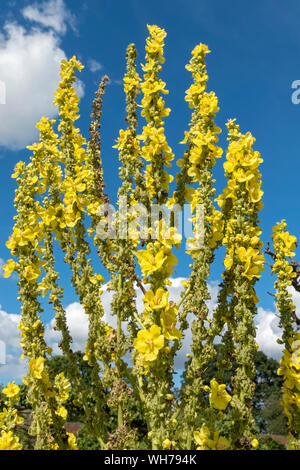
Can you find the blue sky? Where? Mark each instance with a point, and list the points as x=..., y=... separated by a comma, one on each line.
x=254, y=60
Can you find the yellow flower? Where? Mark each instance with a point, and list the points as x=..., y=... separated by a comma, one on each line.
x=255, y=443
x=254, y=261
x=255, y=193
x=62, y=412
x=64, y=387
x=170, y=237
x=72, y=441
x=19, y=168
x=21, y=237
x=200, y=50
x=254, y=296
x=171, y=261
x=12, y=390
x=132, y=83
x=150, y=263
x=156, y=301
x=241, y=175
x=218, y=396
x=218, y=442
x=202, y=439
x=148, y=343
x=228, y=261
x=155, y=42
x=9, y=442
x=9, y=268
x=171, y=201
x=168, y=321
x=290, y=242
x=3, y=417
x=36, y=366
x=96, y=278
x=32, y=272
x=54, y=446
x=209, y=103
x=167, y=444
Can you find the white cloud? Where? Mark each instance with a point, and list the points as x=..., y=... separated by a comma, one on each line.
x=9, y=332
x=296, y=299
x=29, y=67
x=52, y=14
x=94, y=65
x=14, y=368
x=267, y=332
x=78, y=324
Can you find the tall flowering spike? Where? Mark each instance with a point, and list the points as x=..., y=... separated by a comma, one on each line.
x=203, y=134
x=48, y=421
x=195, y=185
x=94, y=191
x=152, y=355
x=155, y=150
x=51, y=211
x=78, y=202
x=121, y=265
x=98, y=186
x=62, y=213
x=128, y=144
x=284, y=246
x=241, y=203
x=130, y=173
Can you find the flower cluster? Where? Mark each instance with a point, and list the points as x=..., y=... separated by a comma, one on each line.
x=160, y=315
x=241, y=166
x=241, y=170
x=9, y=418
x=155, y=150
x=206, y=441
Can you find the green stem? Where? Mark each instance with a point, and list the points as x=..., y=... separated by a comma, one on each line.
x=119, y=329
x=184, y=297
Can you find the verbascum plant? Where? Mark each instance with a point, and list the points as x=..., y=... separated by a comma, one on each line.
x=61, y=204
x=48, y=413
x=196, y=169
x=241, y=203
x=157, y=261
